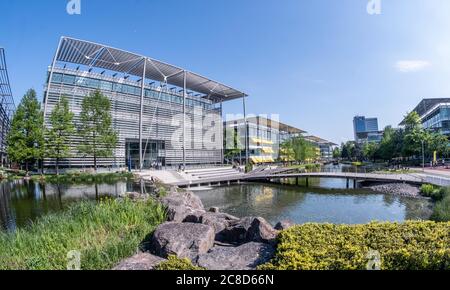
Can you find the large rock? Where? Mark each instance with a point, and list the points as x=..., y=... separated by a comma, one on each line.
x=185, y=240
x=219, y=221
x=183, y=207
x=140, y=262
x=245, y=257
x=284, y=225
x=250, y=229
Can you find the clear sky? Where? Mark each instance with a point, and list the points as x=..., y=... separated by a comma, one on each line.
x=316, y=63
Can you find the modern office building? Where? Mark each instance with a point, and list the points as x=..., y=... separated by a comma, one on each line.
x=366, y=129
x=325, y=147
x=262, y=137
x=163, y=114
x=434, y=114
x=7, y=106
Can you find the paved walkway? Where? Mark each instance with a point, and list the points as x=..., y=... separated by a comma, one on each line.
x=164, y=176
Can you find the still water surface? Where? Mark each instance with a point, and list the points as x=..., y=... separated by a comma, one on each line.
x=331, y=203
x=22, y=202
x=326, y=200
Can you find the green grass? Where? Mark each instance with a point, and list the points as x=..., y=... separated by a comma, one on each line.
x=312, y=166
x=104, y=233
x=84, y=178
x=408, y=246
x=400, y=171
x=441, y=210
x=441, y=196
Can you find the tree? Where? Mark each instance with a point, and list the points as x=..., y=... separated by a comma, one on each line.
x=233, y=145
x=26, y=137
x=287, y=153
x=346, y=150
x=370, y=151
x=336, y=153
x=392, y=144
x=438, y=143
x=96, y=132
x=299, y=149
x=412, y=122
x=59, y=133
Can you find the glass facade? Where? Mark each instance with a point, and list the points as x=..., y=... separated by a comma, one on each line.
x=162, y=122
x=366, y=129
x=263, y=140
x=109, y=86
x=438, y=120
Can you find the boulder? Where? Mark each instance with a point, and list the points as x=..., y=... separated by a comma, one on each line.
x=250, y=229
x=183, y=207
x=219, y=221
x=214, y=210
x=245, y=257
x=284, y=225
x=140, y=262
x=185, y=240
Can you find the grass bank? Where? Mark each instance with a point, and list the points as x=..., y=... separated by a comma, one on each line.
x=84, y=178
x=408, y=246
x=312, y=166
x=441, y=196
x=72, y=177
x=104, y=233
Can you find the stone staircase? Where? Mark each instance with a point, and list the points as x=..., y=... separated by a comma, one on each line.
x=211, y=173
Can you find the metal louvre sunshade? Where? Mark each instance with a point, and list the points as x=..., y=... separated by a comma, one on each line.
x=112, y=59
x=6, y=99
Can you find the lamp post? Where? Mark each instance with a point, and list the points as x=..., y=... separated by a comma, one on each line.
x=423, y=155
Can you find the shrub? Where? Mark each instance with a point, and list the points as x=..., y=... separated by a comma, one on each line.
x=435, y=192
x=312, y=166
x=176, y=264
x=427, y=190
x=408, y=246
x=441, y=211
x=104, y=233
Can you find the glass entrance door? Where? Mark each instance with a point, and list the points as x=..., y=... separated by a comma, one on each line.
x=154, y=156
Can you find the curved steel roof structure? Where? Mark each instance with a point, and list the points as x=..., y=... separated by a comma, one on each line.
x=92, y=54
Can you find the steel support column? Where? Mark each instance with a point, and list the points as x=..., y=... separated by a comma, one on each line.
x=247, y=143
x=184, y=119
x=141, y=118
x=222, y=134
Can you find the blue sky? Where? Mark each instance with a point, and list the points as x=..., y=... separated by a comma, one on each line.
x=316, y=63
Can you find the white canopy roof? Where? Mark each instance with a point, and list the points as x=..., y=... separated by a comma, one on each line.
x=97, y=55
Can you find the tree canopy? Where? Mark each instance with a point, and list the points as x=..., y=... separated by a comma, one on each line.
x=60, y=132
x=96, y=131
x=26, y=137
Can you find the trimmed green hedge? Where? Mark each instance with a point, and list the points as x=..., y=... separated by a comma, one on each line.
x=177, y=264
x=408, y=246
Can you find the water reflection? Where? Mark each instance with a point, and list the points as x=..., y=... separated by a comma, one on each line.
x=302, y=205
x=23, y=201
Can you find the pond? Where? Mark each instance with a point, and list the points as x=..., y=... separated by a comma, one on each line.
x=22, y=202
x=326, y=200
x=325, y=204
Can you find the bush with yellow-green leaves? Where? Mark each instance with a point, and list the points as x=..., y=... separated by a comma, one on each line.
x=408, y=246
x=176, y=264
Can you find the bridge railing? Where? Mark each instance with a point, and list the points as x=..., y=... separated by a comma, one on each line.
x=439, y=181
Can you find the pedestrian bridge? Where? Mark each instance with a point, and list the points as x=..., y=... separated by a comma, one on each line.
x=373, y=177
x=227, y=176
